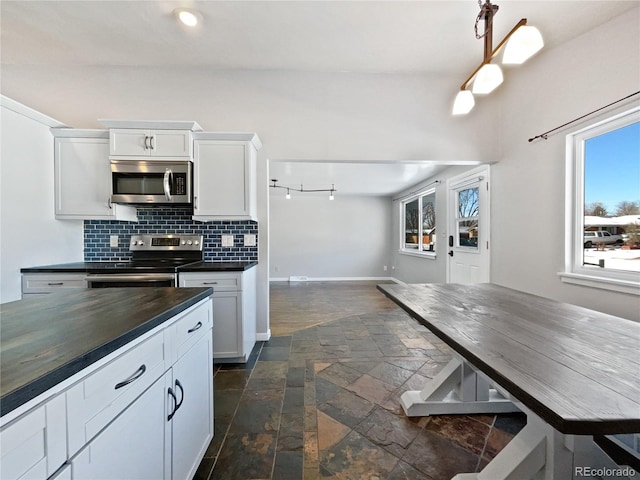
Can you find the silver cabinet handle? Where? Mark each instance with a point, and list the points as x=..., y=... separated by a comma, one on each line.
x=179, y=385
x=109, y=203
x=197, y=326
x=168, y=176
x=55, y=284
x=195, y=202
x=151, y=142
x=146, y=142
x=138, y=373
x=209, y=283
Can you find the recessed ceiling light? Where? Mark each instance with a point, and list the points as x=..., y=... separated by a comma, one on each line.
x=190, y=18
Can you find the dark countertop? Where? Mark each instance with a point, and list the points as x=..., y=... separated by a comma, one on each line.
x=217, y=267
x=47, y=339
x=103, y=267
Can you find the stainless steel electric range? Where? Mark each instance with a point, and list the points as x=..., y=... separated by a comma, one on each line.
x=154, y=262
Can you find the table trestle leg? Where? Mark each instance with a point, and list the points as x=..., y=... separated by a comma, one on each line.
x=457, y=389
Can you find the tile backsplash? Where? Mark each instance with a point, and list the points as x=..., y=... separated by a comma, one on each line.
x=175, y=220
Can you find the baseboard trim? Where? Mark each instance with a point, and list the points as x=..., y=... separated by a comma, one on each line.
x=264, y=337
x=331, y=279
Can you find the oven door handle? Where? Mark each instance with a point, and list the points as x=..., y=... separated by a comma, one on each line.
x=147, y=277
x=168, y=178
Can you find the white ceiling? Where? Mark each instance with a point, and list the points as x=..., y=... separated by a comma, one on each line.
x=425, y=37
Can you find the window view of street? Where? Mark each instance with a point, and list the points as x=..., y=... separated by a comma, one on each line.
x=612, y=200
x=420, y=223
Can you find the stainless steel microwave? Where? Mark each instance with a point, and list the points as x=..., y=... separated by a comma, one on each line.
x=151, y=182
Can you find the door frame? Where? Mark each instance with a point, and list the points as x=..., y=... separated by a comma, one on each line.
x=481, y=175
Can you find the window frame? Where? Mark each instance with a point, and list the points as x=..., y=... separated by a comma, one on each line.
x=403, y=203
x=575, y=271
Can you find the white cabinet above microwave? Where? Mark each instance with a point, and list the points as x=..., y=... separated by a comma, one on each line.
x=150, y=139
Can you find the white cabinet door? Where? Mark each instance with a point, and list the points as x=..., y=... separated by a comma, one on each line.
x=133, y=445
x=130, y=142
x=82, y=176
x=227, y=325
x=224, y=180
x=192, y=422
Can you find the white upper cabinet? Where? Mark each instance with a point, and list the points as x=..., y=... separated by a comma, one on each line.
x=224, y=182
x=143, y=139
x=82, y=177
x=157, y=144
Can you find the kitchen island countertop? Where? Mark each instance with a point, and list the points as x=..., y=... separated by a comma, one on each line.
x=46, y=340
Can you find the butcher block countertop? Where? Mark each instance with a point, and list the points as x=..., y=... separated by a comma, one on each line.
x=576, y=368
x=47, y=339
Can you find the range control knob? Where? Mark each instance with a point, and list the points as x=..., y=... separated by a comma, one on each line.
x=196, y=242
x=189, y=242
x=183, y=242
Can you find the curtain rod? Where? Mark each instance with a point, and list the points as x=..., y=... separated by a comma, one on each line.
x=546, y=134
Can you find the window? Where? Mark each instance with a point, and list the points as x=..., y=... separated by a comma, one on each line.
x=467, y=211
x=603, y=204
x=418, y=233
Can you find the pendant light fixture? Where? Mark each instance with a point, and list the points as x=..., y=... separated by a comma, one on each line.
x=520, y=44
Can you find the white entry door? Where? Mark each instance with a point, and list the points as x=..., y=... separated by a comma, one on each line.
x=468, y=227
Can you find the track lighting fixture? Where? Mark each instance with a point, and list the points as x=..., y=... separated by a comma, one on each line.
x=274, y=184
x=521, y=43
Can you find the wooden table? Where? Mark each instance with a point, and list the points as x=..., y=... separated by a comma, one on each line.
x=573, y=371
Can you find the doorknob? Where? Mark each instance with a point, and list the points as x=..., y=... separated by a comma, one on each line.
x=451, y=253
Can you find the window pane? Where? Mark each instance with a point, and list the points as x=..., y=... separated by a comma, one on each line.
x=468, y=203
x=429, y=222
x=612, y=199
x=411, y=224
x=468, y=233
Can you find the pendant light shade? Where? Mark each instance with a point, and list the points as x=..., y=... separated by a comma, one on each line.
x=522, y=45
x=463, y=103
x=487, y=79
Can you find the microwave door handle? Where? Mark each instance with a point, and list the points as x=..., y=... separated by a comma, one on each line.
x=168, y=177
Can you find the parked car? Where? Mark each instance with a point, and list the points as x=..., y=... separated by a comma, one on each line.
x=605, y=238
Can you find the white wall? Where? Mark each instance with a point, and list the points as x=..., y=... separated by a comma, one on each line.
x=559, y=85
x=29, y=234
x=318, y=238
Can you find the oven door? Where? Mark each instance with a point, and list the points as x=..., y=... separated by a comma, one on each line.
x=131, y=280
x=142, y=182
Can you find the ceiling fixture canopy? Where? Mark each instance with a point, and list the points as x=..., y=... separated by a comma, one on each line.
x=521, y=43
x=274, y=184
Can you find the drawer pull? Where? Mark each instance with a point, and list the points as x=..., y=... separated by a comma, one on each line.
x=133, y=378
x=55, y=284
x=209, y=283
x=198, y=326
x=175, y=402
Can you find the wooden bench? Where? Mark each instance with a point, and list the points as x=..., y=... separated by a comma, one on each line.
x=573, y=371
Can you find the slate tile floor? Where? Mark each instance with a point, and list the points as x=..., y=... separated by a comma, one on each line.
x=323, y=403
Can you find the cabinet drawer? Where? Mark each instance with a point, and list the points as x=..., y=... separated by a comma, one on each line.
x=190, y=328
x=98, y=399
x=46, y=283
x=220, y=282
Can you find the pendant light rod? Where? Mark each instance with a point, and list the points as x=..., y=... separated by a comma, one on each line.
x=491, y=54
x=302, y=189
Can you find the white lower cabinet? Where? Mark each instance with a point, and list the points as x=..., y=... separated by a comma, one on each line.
x=144, y=413
x=234, y=311
x=164, y=433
